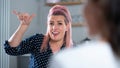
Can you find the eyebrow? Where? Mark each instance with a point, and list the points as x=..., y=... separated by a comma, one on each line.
x=59, y=21
x=51, y=21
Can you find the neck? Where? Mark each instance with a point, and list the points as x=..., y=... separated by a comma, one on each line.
x=103, y=39
x=55, y=45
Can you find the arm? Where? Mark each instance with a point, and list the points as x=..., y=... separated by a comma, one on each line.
x=25, y=20
x=26, y=46
x=16, y=38
x=15, y=45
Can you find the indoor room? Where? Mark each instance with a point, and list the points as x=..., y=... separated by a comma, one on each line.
x=9, y=22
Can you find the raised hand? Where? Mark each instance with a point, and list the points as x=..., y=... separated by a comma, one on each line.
x=24, y=18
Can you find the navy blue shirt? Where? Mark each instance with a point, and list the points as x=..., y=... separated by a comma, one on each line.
x=31, y=45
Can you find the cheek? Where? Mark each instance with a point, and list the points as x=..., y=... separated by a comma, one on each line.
x=49, y=29
x=63, y=29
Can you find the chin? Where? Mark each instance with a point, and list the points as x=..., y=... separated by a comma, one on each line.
x=55, y=40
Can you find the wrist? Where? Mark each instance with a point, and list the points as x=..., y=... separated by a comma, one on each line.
x=23, y=25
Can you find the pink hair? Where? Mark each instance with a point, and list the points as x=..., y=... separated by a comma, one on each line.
x=60, y=10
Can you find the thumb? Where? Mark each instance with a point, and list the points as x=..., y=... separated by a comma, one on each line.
x=31, y=17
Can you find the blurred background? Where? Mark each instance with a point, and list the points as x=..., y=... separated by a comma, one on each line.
x=9, y=23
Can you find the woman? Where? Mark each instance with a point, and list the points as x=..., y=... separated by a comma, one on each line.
x=103, y=22
x=40, y=46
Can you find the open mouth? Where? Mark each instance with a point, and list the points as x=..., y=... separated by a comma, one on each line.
x=55, y=33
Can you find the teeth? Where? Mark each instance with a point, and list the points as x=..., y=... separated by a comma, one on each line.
x=55, y=32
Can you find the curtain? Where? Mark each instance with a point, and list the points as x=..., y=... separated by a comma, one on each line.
x=4, y=31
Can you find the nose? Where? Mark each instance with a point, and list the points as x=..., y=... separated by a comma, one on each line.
x=55, y=27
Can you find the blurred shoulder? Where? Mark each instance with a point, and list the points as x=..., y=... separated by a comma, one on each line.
x=87, y=47
x=93, y=54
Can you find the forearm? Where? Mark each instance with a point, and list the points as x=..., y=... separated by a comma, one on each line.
x=16, y=38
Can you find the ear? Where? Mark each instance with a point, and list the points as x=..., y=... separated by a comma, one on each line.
x=67, y=27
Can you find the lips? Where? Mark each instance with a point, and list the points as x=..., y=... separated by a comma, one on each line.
x=55, y=33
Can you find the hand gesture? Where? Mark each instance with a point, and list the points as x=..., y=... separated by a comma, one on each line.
x=24, y=18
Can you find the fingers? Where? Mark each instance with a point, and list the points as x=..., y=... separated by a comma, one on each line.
x=24, y=17
x=15, y=12
x=31, y=17
x=18, y=14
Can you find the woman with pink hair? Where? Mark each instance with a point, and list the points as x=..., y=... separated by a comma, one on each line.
x=41, y=47
x=103, y=51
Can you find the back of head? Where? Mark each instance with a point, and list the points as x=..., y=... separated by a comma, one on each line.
x=109, y=25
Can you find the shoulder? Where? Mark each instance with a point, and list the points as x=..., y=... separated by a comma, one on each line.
x=35, y=39
x=37, y=36
x=89, y=47
x=89, y=54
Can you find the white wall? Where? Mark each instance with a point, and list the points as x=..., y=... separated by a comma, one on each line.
x=30, y=6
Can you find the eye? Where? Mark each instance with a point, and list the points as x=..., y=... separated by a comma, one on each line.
x=60, y=23
x=51, y=23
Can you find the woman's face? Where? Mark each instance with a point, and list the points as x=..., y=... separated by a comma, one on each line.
x=57, y=27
